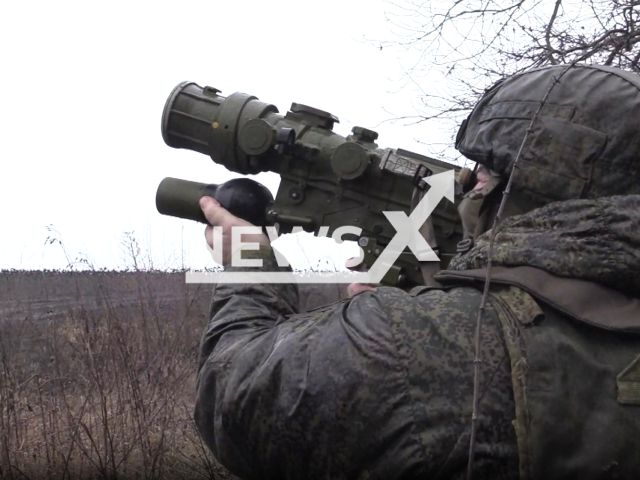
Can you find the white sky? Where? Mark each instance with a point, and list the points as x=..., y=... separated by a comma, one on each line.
x=84, y=85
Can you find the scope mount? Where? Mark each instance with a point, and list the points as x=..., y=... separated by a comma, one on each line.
x=312, y=116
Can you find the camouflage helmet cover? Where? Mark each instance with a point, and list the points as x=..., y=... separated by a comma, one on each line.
x=584, y=144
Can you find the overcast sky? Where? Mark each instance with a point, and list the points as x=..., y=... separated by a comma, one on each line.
x=84, y=85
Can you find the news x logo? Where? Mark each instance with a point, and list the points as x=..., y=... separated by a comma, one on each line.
x=407, y=235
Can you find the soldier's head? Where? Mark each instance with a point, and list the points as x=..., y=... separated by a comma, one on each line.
x=584, y=143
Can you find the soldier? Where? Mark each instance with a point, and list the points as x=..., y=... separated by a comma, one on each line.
x=380, y=385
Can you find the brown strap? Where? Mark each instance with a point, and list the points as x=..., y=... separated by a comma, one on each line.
x=586, y=301
x=516, y=307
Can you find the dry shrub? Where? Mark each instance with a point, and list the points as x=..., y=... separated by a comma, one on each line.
x=106, y=390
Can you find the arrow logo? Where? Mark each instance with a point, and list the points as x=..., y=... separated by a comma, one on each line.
x=407, y=228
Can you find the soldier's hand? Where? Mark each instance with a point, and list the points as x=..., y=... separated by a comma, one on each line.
x=356, y=288
x=218, y=216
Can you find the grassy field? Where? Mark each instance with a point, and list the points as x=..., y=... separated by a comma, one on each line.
x=97, y=375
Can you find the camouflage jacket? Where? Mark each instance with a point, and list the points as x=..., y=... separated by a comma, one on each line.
x=376, y=387
x=380, y=386
x=566, y=288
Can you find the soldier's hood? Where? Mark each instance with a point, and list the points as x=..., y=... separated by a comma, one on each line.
x=595, y=240
x=584, y=142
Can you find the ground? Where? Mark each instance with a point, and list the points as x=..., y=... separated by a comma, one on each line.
x=97, y=374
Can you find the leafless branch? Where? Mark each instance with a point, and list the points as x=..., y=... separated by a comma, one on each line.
x=547, y=35
x=472, y=44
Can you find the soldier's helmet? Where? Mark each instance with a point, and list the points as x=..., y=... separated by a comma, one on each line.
x=585, y=142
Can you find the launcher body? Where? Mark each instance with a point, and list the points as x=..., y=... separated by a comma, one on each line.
x=326, y=180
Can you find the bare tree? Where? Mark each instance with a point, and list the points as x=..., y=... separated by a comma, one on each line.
x=475, y=43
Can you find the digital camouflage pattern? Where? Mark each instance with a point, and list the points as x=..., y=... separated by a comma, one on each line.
x=380, y=386
x=573, y=417
x=575, y=367
x=596, y=240
x=584, y=143
x=376, y=387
